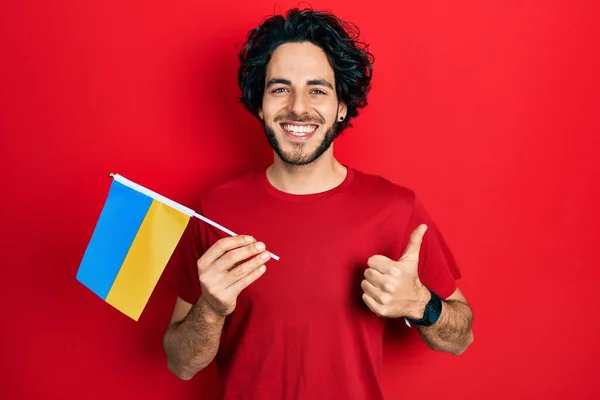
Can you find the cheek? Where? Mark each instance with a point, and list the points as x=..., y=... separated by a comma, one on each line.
x=327, y=108
x=270, y=111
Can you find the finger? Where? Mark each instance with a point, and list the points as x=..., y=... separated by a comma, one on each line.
x=414, y=244
x=234, y=266
x=240, y=272
x=236, y=256
x=381, y=263
x=372, y=304
x=222, y=246
x=379, y=280
x=375, y=293
x=247, y=280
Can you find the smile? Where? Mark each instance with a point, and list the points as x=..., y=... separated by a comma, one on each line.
x=299, y=130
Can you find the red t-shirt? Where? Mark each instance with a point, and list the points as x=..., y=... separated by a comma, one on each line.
x=302, y=330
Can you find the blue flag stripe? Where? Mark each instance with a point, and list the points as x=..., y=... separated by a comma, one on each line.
x=119, y=222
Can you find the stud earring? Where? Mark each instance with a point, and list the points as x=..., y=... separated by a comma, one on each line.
x=341, y=118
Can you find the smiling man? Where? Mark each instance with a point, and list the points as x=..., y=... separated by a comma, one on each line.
x=299, y=126
x=357, y=252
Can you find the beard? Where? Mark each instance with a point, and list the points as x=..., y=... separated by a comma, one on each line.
x=298, y=156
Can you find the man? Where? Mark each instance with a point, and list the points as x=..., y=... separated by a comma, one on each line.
x=356, y=251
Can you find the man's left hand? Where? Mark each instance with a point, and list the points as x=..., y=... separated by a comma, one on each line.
x=392, y=289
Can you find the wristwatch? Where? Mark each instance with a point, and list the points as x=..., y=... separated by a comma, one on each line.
x=432, y=312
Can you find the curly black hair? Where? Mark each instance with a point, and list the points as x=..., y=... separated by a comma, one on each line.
x=349, y=58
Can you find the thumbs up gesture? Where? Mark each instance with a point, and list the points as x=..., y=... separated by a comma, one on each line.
x=392, y=289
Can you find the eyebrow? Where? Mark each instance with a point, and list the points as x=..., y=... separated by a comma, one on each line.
x=312, y=82
x=320, y=82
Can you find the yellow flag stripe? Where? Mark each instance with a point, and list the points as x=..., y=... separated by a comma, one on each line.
x=147, y=258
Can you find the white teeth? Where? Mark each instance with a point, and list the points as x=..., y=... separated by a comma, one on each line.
x=297, y=130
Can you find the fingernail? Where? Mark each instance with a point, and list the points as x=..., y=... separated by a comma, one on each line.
x=249, y=239
x=260, y=246
x=264, y=256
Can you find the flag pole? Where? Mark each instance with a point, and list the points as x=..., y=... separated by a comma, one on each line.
x=135, y=186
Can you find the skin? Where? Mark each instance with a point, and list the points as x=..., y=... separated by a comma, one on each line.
x=307, y=96
x=299, y=90
x=392, y=289
x=225, y=269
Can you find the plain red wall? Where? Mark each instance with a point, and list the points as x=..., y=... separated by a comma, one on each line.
x=488, y=109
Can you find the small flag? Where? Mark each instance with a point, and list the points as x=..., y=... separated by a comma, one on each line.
x=133, y=240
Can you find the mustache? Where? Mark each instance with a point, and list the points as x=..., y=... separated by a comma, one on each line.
x=302, y=119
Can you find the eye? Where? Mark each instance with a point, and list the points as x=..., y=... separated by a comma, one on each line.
x=279, y=90
x=317, y=91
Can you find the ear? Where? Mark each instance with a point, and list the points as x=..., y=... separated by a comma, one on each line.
x=342, y=110
x=260, y=114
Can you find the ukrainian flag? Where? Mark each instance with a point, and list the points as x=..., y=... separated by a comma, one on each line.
x=130, y=247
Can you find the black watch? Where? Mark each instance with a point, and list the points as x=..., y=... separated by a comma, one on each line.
x=432, y=312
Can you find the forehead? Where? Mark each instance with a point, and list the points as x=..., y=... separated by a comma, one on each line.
x=299, y=62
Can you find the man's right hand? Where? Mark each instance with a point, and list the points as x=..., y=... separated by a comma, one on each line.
x=223, y=275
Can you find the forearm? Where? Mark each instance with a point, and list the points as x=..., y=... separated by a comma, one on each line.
x=190, y=345
x=452, y=332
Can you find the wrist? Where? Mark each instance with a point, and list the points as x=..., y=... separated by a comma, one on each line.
x=209, y=314
x=432, y=311
x=417, y=311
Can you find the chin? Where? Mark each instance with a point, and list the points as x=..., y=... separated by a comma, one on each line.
x=303, y=146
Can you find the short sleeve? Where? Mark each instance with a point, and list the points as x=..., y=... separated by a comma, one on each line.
x=438, y=269
x=183, y=262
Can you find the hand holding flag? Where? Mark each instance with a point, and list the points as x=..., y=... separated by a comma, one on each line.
x=133, y=241
x=223, y=274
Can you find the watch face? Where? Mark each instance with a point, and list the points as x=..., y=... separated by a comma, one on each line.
x=434, y=314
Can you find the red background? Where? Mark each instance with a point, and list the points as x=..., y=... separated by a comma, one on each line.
x=489, y=110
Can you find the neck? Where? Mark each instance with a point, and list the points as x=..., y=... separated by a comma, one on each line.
x=321, y=175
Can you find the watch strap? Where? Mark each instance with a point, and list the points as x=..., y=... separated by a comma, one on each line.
x=432, y=313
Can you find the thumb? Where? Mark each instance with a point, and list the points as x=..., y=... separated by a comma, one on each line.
x=414, y=244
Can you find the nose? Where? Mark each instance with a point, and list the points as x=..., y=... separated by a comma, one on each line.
x=298, y=103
